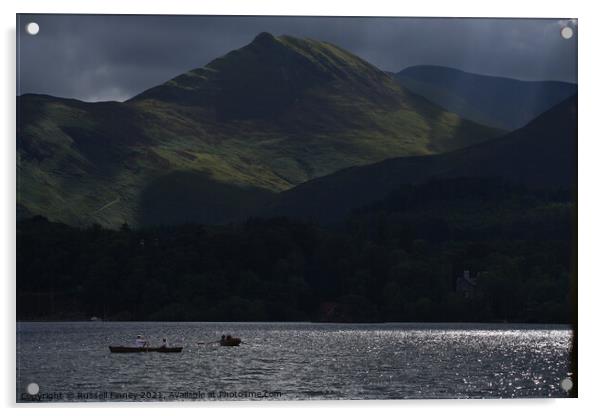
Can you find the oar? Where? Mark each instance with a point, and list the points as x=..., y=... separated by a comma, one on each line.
x=208, y=342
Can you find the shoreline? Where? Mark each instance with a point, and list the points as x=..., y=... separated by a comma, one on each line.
x=408, y=323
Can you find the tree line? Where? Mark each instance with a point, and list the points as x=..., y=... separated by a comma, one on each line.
x=396, y=260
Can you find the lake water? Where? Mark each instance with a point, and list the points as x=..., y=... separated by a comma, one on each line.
x=290, y=361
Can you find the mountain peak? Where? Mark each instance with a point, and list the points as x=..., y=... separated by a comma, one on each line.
x=270, y=74
x=264, y=37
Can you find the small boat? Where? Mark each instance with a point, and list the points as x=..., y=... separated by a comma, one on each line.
x=120, y=349
x=230, y=342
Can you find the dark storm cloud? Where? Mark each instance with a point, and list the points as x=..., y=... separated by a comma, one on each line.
x=115, y=57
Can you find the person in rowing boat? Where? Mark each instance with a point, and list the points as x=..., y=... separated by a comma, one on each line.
x=140, y=342
x=164, y=344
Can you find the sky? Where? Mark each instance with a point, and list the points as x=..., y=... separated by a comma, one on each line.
x=112, y=57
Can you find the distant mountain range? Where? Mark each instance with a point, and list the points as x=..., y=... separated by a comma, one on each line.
x=542, y=154
x=280, y=126
x=261, y=119
x=493, y=101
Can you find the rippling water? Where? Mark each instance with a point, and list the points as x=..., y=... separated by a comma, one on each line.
x=287, y=361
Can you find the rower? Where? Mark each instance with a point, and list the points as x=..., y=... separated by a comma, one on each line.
x=140, y=342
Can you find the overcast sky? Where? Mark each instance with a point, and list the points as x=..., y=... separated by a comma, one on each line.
x=107, y=57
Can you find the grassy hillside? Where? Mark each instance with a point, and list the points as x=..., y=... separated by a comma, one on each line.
x=541, y=154
x=493, y=101
x=261, y=119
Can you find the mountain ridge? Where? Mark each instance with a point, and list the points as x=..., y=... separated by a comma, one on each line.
x=265, y=117
x=496, y=101
x=542, y=154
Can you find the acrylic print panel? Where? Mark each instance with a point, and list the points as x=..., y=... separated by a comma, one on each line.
x=291, y=208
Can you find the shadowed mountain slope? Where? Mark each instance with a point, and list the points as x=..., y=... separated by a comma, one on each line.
x=542, y=154
x=494, y=101
x=261, y=119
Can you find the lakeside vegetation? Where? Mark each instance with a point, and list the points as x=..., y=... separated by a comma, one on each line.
x=396, y=260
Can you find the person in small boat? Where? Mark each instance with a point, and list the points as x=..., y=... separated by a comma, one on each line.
x=223, y=338
x=140, y=342
x=164, y=344
x=228, y=337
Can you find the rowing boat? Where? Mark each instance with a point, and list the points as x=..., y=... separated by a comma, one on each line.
x=121, y=349
x=230, y=342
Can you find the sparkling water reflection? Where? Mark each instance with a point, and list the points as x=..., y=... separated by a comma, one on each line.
x=71, y=361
